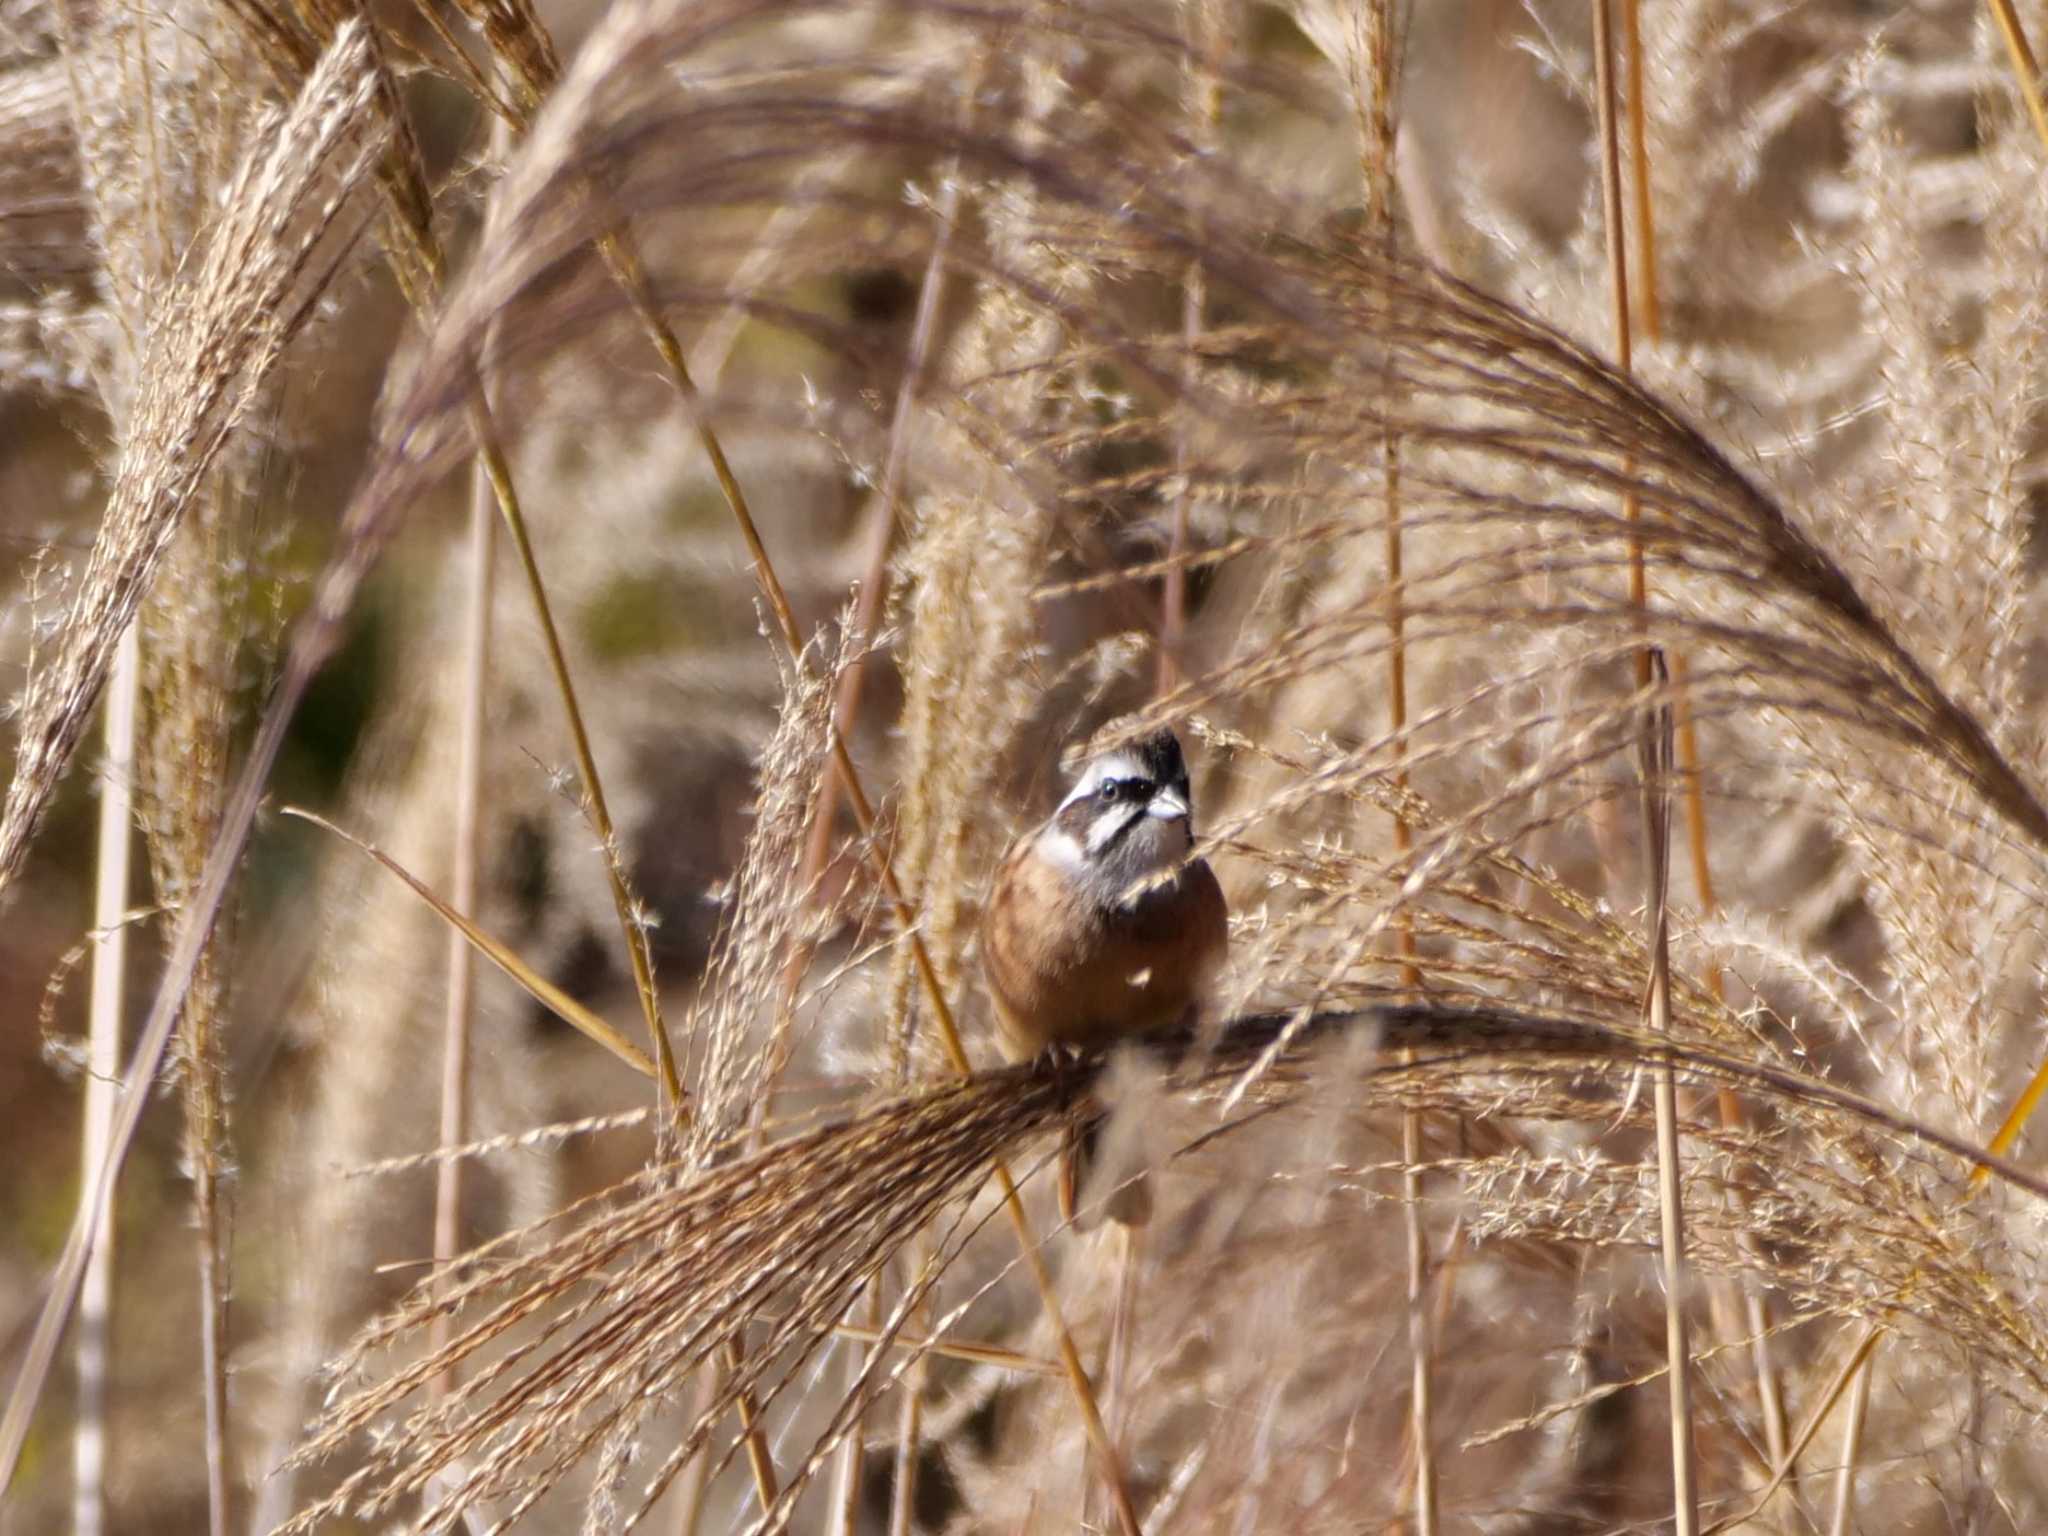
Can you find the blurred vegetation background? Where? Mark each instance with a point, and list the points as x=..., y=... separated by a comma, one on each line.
x=1362, y=387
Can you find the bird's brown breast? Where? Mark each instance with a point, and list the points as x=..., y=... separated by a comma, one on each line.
x=1064, y=970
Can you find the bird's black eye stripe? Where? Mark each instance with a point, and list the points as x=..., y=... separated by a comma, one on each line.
x=1125, y=789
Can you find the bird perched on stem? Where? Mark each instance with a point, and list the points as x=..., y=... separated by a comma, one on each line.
x=1101, y=926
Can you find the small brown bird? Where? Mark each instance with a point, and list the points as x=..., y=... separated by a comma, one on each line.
x=1100, y=926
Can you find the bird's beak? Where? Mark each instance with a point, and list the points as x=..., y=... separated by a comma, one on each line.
x=1167, y=806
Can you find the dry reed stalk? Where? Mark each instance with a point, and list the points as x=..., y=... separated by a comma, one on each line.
x=1208, y=43
x=1115, y=1373
x=197, y=617
x=849, y=1472
x=500, y=954
x=1648, y=288
x=1375, y=68
x=2026, y=73
x=695, y=1480
x=1650, y=312
x=909, y=1437
x=885, y=510
x=103, y=1068
x=463, y=849
x=1656, y=763
x=1655, y=770
x=1842, y=1521
x=282, y=233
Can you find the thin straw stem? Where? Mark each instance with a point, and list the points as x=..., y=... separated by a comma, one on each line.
x=1843, y=1521
x=2024, y=69
x=1205, y=90
x=1657, y=755
x=909, y=1435
x=1656, y=792
x=885, y=515
x=102, y=1078
x=847, y=1478
x=462, y=878
x=492, y=456
x=1648, y=308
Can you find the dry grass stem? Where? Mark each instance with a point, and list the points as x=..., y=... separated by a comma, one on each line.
x=1657, y=754
x=109, y=988
x=463, y=855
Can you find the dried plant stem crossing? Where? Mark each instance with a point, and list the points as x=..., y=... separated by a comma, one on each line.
x=1843, y=1521
x=490, y=454
x=1657, y=754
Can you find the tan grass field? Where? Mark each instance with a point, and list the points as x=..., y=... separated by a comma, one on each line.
x=577, y=536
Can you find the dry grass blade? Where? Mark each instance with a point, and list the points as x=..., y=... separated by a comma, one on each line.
x=1843, y=1520
x=543, y=991
x=1374, y=68
x=285, y=225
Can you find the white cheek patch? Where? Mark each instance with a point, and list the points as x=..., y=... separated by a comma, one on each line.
x=1107, y=827
x=1061, y=851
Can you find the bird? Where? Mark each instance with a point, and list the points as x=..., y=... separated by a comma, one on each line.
x=1101, y=926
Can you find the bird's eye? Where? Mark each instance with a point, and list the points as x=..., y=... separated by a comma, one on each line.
x=1111, y=789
